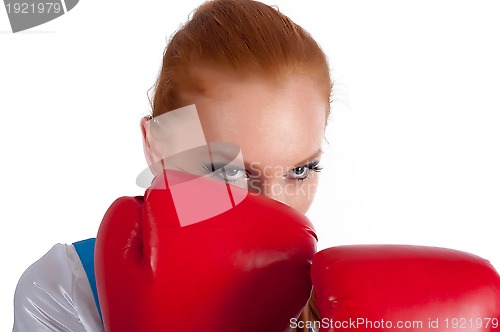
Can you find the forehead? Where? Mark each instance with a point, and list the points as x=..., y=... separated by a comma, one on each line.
x=273, y=123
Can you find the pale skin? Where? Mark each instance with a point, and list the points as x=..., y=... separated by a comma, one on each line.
x=278, y=126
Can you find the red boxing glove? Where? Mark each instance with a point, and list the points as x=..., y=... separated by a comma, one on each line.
x=246, y=269
x=411, y=288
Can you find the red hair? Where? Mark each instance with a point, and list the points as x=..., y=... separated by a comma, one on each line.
x=244, y=37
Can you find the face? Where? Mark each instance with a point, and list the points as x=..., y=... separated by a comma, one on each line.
x=278, y=127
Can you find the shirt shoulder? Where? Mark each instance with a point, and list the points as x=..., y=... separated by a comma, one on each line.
x=54, y=294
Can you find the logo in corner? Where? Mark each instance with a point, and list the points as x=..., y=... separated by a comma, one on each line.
x=26, y=14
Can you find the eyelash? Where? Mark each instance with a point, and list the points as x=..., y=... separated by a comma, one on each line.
x=208, y=169
x=312, y=166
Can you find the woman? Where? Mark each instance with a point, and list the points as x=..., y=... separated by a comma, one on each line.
x=258, y=80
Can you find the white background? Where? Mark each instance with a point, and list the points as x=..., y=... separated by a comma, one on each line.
x=414, y=137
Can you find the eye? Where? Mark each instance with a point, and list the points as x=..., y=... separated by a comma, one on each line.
x=227, y=173
x=232, y=174
x=304, y=171
x=300, y=171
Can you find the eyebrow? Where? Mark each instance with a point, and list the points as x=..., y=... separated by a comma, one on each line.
x=312, y=157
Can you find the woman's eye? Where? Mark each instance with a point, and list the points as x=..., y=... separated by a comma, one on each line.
x=303, y=172
x=227, y=172
x=232, y=174
x=300, y=172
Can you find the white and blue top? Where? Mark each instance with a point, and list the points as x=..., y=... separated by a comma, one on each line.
x=58, y=292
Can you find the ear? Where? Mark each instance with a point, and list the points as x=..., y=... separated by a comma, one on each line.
x=147, y=142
